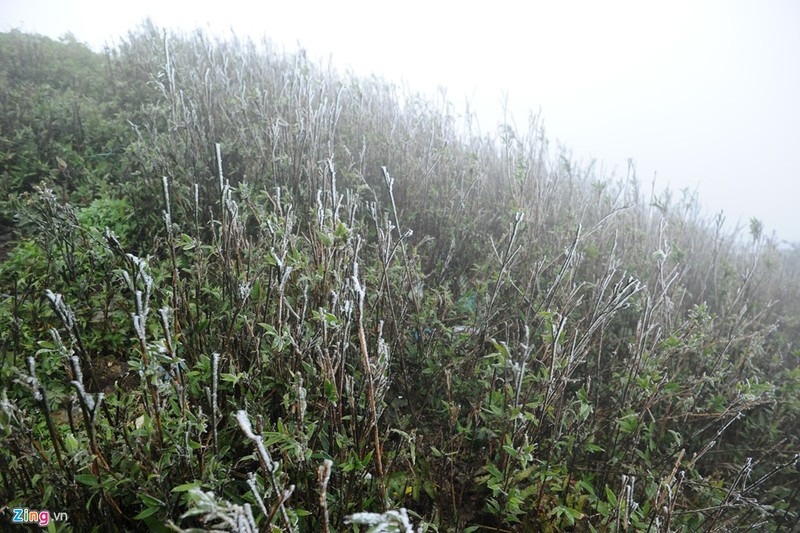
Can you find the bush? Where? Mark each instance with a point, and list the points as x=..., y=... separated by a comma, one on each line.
x=247, y=292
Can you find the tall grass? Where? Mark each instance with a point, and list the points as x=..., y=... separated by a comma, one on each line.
x=295, y=299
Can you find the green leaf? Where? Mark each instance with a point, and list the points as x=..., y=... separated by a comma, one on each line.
x=149, y=511
x=341, y=231
x=325, y=238
x=493, y=470
x=501, y=348
x=149, y=500
x=586, y=486
x=71, y=444
x=611, y=497
x=186, y=487
x=628, y=423
x=269, y=329
x=86, y=479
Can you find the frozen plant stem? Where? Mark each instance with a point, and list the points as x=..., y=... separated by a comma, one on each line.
x=323, y=476
x=171, y=246
x=67, y=317
x=40, y=395
x=390, y=186
x=268, y=466
x=360, y=291
x=214, y=408
x=505, y=261
x=142, y=304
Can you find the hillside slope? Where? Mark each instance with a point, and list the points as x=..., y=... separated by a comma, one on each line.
x=249, y=291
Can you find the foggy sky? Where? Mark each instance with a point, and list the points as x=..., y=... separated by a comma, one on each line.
x=701, y=94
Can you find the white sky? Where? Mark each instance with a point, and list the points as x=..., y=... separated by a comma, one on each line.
x=703, y=94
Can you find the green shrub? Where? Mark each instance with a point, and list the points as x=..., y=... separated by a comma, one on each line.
x=247, y=292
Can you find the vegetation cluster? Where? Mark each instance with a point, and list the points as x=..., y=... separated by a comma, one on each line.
x=241, y=290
